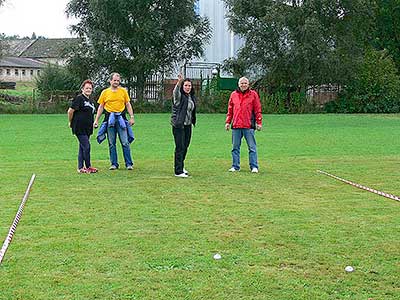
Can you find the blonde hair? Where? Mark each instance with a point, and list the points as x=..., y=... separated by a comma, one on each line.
x=243, y=78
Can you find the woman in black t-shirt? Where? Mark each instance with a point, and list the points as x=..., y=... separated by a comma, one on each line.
x=80, y=117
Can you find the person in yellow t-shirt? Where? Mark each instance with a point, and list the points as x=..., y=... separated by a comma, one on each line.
x=113, y=101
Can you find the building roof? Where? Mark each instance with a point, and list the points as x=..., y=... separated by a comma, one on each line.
x=20, y=62
x=38, y=48
x=15, y=47
x=49, y=48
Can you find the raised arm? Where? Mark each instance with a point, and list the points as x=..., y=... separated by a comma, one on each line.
x=177, y=90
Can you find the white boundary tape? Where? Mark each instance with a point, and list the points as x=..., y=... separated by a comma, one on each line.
x=390, y=196
x=16, y=220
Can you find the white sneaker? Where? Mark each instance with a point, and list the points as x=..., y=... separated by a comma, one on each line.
x=185, y=171
x=182, y=175
x=233, y=170
x=254, y=170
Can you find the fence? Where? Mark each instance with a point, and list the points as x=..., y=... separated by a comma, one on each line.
x=158, y=88
x=200, y=70
x=153, y=89
x=53, y=100
x=323, y=94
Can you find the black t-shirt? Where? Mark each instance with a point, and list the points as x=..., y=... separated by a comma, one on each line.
x=82, y=119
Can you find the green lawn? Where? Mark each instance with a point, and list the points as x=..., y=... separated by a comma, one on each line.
x=285, y=233
x=22, y=89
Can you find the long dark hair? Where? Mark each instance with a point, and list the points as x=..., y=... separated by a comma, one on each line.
x=191, y=90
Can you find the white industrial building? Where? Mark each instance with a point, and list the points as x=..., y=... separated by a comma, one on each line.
x=223, y=43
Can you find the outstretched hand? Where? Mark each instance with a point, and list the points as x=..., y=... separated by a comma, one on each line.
x=180, y=77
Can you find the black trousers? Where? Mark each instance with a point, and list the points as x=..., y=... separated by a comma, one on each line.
x=182, y=138
x=84, y=151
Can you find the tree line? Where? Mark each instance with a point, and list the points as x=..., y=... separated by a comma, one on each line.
x=289, y=47
x=292, y=46
x=135, y=38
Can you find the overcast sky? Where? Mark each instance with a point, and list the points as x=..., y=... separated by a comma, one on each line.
x=44, y=17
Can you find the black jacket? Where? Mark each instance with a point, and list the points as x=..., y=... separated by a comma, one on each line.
x=179, y=111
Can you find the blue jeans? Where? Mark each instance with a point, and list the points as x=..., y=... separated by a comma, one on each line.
x=248, y=134
x=84, y=151
x=123, y=138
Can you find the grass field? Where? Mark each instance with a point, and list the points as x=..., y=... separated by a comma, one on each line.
x=22, y=89
x=285, y=233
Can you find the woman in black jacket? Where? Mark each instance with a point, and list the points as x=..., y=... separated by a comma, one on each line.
x=182, y=119
x=80, y=117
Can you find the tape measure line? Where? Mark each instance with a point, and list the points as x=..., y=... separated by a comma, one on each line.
x=363, y=187
x=16, y=220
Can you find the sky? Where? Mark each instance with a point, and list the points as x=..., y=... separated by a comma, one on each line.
x=43, y=17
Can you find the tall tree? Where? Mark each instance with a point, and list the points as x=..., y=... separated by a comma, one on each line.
x=137, y=37
x=387, y=28
x=296, y=44
x=1, y=35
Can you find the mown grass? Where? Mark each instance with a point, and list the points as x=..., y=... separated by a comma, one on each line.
x=285, y=233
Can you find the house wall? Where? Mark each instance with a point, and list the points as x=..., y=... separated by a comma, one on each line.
x=18, y=74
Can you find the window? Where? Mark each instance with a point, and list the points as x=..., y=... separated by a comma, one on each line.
x=23, y=72
x=8, y=72
x=31, y=72
x=16, y=72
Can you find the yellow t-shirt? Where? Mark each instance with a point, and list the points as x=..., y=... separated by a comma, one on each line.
x=114, y=101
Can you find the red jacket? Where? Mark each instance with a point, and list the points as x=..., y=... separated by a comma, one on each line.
x=241, y=107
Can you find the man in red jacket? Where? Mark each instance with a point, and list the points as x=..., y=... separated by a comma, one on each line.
x=244, y=115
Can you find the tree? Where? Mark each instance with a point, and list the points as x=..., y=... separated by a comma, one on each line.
x=136, y=38
x=387, y=29
x=297, y=44
x=56, y=78
x=1, y=35
x=375, y=88
x=1, y=45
